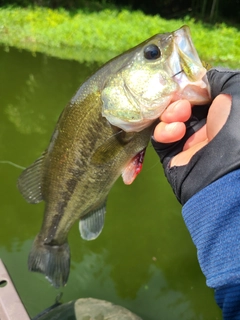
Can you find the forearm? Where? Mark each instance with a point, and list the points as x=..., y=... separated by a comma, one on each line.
x=213, y=219
x=228, y=299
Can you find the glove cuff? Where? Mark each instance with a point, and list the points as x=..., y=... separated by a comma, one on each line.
x=213, y=218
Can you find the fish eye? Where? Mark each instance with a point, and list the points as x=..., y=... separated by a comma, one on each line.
x=152, y=52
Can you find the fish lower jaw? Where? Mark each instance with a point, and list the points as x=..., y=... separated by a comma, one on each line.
x=195, y=94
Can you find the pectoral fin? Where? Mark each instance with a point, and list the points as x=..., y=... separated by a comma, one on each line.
x=110, y=148
x=30, y=182
x=91, y=225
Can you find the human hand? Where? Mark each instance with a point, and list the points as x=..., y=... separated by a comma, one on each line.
x=199, y=148
x=172, y=127
x=192, y=147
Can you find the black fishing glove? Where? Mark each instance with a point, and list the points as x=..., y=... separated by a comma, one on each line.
x=220, y=156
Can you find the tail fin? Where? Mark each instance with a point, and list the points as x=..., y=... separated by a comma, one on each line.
x=52, y=261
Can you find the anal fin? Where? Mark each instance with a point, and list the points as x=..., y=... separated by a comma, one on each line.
x=91, y=225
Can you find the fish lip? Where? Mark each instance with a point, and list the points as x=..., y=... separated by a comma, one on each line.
x=196, y=92
x=188, y=60
x=188, y=71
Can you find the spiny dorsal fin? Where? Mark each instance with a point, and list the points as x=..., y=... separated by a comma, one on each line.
x=30, y=182
x=91, y=225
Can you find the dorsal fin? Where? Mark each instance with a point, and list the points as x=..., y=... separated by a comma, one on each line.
x=30, y=182
x=91, y=225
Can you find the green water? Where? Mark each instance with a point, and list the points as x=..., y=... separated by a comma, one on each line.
x=144, y=259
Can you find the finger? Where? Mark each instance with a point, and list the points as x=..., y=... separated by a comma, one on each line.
x=184, y=157
x=169, y=132
x=197, y=137
x=179, y=111
x=217, y=117
x=218, y=114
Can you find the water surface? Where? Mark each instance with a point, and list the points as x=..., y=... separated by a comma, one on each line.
x=144, y=259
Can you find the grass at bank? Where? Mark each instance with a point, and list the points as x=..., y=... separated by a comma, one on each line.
x=98, y=36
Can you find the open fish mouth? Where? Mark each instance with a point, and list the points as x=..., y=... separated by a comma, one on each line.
x=188, y=70
x=188, y=58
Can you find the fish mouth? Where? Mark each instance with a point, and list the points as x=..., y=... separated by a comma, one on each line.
x=188, y=70
x=197, y=92
x=189, y=60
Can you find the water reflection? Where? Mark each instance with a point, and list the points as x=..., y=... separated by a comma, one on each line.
x=93, y=272
x=33, y=95
x=144, y=259
x=24, y=118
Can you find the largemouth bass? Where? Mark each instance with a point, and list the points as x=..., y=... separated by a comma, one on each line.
x=102, y=133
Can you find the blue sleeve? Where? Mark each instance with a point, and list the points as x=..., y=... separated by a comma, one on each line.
x=213, y=219
x=228, y=299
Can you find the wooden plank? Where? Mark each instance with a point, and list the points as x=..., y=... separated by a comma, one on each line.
x=11, y=307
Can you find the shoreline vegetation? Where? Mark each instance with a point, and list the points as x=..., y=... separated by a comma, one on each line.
x=99, y=36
